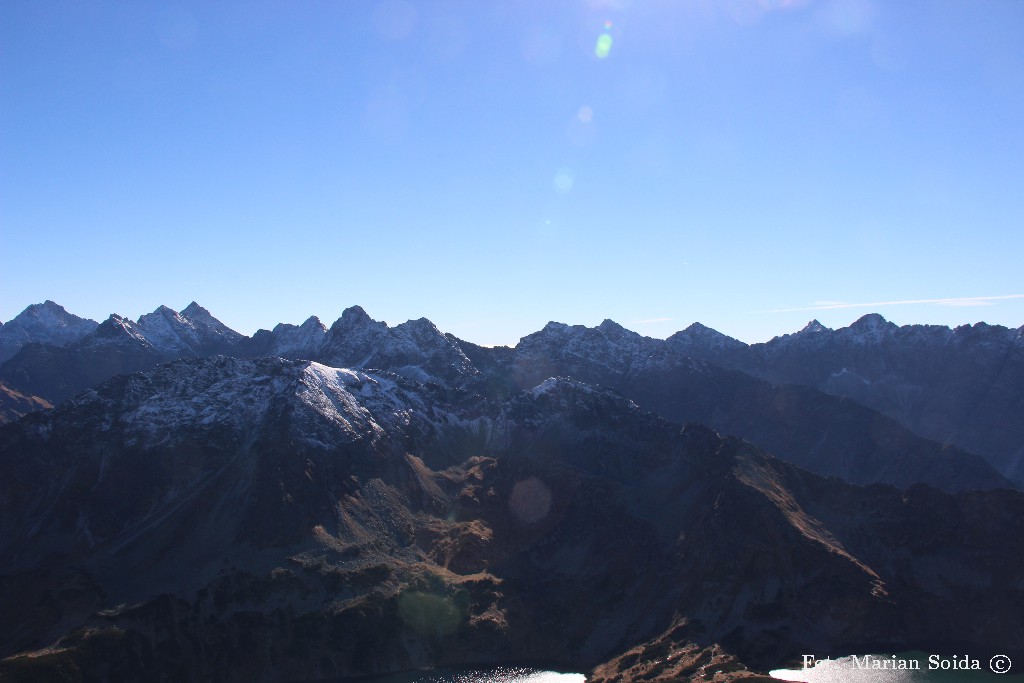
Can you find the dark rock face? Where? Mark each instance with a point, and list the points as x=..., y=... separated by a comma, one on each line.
x=822, y=433
x=298, y=342
x=45, y=323
x=269, y=519
x=963, y=386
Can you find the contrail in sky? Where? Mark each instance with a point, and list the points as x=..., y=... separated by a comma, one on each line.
x=961, y=301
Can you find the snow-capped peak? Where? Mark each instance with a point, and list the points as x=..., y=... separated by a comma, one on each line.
x=45, y=323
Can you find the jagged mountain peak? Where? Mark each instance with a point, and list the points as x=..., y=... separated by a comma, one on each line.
x=312, y=322
x=197, y=312
x=419, y=326
x=872, y=324
x=813, y=333
x=414, y=349
x=355, y=319
x=814, y=327
x=870, y=321
x=870, y=328
x=699, y=337
x=355, y=314
x=116, y=328
x=45, y=323
x=180, y=333
x=553, y=327
x=608, y=329
x=48, y=305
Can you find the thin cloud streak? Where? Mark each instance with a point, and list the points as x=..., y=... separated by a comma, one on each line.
x=650, y=320
x=961, y=301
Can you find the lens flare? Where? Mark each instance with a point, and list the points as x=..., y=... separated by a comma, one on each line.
x=530, y=500
x=604, y=46
x=564, y=180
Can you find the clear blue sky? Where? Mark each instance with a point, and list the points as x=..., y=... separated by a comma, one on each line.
x=479, y=164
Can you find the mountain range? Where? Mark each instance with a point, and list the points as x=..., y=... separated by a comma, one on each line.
x=817, y=398
x=315, y=503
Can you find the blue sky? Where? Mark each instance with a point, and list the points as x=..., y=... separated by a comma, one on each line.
x=479, y=164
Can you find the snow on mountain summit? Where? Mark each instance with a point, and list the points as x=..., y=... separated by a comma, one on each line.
x=224, y=399
x=45, y=323
x=416, y=348
x=194, y=331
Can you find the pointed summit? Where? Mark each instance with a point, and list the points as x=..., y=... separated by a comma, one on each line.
x=355, y=321
x=115, y=328
x=45, y=323
x=191, y=332
x=698, y=339
x=871, y=321
x=609, y=326
x=312, y=323
x=197, y=312
x=554, y=327
x=165, y=311
x=871, y=327
x=814, y=327
x=209, y=326
x=355, y=314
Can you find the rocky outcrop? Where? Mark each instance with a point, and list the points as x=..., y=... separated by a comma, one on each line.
x=14, y=404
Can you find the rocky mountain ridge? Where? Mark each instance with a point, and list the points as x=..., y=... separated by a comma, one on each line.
x=833, y=436
x=960, y=385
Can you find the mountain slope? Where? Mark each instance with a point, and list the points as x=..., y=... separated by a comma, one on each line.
x=826, y=435
x=269, y=519
x=14, y=404
x=963, y=386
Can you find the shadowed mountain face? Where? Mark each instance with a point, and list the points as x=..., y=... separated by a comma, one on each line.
x=963, y=386
x=268, y=519
x=826, y=434
x=822, y=433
